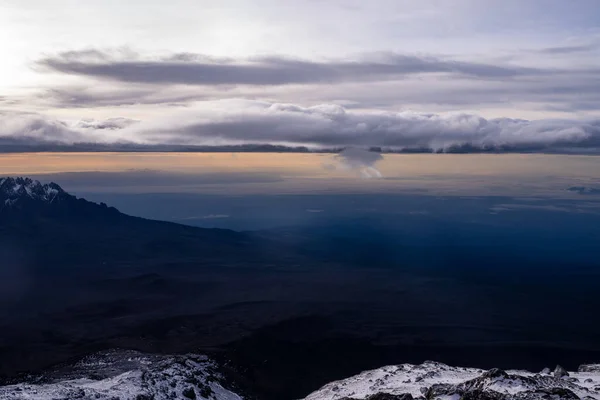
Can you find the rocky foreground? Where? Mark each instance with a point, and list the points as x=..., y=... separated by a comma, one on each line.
x=129, y=375
x=126, y=375
x=432, y=380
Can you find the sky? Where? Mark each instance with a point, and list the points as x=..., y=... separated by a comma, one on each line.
x=398, y=74
x=263, y=190
x=351, y=171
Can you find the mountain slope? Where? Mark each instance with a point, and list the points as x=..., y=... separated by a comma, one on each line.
x=76, y=275
x=52, y=228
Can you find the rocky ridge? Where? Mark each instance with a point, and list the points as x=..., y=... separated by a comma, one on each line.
x=126, y=375
x=13, y=190
x=432, y=380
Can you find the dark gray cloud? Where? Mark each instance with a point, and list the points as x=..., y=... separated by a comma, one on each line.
x=84, y=97
x=561, y=92
x=378, y=80
x=195, y=69
x=561, y=50
x=124, y=95
x=109, y=123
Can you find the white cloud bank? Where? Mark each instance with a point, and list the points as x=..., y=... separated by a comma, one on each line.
x=245, y=122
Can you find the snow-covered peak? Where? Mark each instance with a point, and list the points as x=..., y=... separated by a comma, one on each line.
x=14, y=189
x=432, y=380
x=127, y=375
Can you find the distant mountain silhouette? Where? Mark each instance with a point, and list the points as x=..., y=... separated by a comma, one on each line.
x=59, y=229
x=27, y=198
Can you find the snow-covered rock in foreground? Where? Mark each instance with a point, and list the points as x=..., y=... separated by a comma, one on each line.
x=432, y=380
x=127, y=375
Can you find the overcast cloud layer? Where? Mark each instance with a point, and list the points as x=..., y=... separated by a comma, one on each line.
x=464, y=75
x=325, y=126
x=198, y=69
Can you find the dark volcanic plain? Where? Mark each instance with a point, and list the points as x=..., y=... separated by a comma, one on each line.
x=288, y=310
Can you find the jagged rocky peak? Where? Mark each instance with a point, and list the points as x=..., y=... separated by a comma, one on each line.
x=432, y=380
x=27, y=198
x=12, y=189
